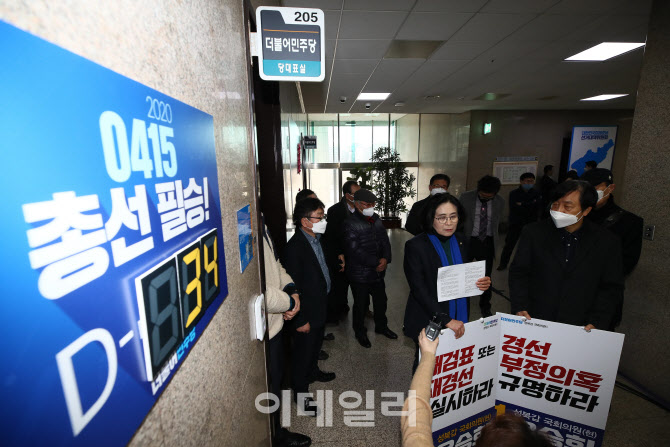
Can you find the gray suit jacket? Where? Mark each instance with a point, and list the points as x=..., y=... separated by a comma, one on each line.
x=469, y=201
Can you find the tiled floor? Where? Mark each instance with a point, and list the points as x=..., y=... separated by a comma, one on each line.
x=387, y=367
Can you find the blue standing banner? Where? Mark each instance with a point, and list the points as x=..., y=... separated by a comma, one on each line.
x=113, y=259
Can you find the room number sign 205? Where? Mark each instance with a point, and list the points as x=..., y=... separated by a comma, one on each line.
x=173, y=296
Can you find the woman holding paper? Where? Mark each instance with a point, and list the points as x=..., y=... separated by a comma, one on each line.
x=441, y=244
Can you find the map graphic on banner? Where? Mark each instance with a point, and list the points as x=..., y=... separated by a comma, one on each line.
x=558, y=377
x=113, y=261
x=592, y=144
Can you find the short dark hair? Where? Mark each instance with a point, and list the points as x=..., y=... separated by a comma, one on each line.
x=548, y=168
x=587, y=193
x=597, y=176
x=302, y=195
x=304, y=207
x=346, y=188
x=526, y=175
x=572, y=175
x=508, y=430
x=489, y=184
x=431, y=207
x=444, y=177
x=592, y=164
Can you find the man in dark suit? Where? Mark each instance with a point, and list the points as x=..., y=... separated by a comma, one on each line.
x=305, y=261
x=337, y=214
x=624, y=224
x=547, y=185
x=568, y=269
x=483, y=208
x=439, y=183
x=525, y=203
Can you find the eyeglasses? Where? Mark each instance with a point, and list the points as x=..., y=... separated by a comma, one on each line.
x=443, y=218
x=325, y=216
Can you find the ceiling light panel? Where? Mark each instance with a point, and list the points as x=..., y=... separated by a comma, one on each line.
x=604, y=97
x=372, y=96
x=605, y=50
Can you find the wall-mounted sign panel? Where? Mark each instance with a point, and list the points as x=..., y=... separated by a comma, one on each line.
x=245, y=237
x=113, y=260
x=290, y=44
x=309, y=141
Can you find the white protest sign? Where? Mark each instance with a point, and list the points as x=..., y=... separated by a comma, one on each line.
x=559, y=377
x=463, y=385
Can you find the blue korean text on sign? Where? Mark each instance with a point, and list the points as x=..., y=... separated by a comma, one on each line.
x=290, y=44
x=113, y=259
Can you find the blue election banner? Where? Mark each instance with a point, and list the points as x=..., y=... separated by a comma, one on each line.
x=245, y=237
x=113, y=260
x=592, y=143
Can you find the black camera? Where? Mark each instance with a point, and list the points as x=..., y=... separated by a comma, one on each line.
x=433, y=329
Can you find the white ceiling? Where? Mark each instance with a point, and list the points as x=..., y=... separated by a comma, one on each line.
x=513, y=47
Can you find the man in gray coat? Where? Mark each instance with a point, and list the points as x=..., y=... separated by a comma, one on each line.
x=483, y=209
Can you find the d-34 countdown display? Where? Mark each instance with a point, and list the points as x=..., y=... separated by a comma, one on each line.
x=113, y=260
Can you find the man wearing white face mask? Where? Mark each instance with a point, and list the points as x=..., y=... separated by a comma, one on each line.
x=439, y=184
x=367, y=252
x=568, y=269
x=305, y=260
x=626, y=225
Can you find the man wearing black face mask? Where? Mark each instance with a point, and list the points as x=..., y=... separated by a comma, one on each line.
x=334, y=235
x=568, y=269
x=624, y=224
x=525, y=203
x=483, y=208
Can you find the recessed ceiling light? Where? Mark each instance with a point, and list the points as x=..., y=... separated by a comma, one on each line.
x=372, y=96
x=399, y=104
x=604, y=51
x=604, y=97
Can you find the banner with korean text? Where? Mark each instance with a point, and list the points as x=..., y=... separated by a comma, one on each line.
x=558, y=377
x=113, y=259
x=463, y=385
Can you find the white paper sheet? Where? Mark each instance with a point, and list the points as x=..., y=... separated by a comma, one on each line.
x=459, y=281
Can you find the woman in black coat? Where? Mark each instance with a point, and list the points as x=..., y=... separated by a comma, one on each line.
x=423, y=259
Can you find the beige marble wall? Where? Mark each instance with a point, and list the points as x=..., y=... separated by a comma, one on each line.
x=443, y=148
x=646, y=314
x=196, y=53
x=539, y=133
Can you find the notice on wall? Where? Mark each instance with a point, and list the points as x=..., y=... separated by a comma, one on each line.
x=291, y=44
x=460, y=280
x=592, y=143
x=113, y=255
x=464, y=381
x=509, y=172
x=558, y=377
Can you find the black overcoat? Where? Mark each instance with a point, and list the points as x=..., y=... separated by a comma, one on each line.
x=585, y=291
